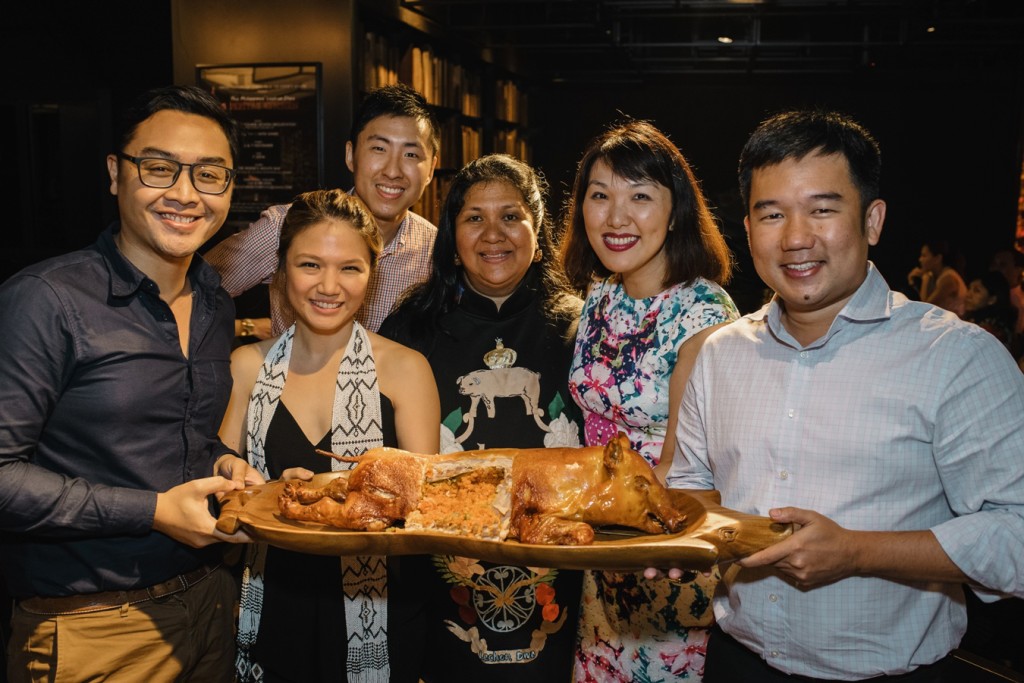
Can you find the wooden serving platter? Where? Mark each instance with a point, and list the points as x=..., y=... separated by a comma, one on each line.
x=713, y=535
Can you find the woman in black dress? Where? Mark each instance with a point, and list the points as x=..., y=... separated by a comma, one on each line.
x=329, y=384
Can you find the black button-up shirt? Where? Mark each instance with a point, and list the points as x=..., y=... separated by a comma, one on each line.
x=99, y=410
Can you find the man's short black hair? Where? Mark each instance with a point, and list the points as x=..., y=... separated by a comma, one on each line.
x=184, y=98
x=397, y=100
x=796, y=134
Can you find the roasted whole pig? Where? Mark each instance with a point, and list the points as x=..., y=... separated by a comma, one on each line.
x=541, y=495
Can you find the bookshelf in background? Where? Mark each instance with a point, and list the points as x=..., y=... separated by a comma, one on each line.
x=511, y=141
x=445, y=83
x=429, y=205
x=510, y=111
x=380, y=62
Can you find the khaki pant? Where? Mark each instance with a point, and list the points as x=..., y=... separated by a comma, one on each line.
x=188, y=636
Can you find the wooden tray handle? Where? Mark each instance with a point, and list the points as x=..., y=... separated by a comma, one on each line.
x=736, y=534
x=230, y=508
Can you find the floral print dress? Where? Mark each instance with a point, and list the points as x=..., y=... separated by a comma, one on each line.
x=632, y=629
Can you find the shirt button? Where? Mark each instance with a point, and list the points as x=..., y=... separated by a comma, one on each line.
x=803, y=354
x=773, y=598
x=774, y=653
x=791, y=413
x=783, y=474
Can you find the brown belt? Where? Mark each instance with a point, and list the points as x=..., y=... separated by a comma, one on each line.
x=96, y=602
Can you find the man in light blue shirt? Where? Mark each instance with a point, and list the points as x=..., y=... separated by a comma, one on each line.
x=887, y=431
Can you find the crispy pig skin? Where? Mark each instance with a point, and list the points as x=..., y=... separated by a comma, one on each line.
x=610, y=486
x=382, y=489
x=557, y=494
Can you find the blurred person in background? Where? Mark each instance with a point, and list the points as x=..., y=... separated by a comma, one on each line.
x=935, y=278
x=988, y=305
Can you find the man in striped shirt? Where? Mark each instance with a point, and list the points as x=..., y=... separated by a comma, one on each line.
x=392, y=154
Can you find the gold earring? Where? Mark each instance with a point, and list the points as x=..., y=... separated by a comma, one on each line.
x=458, y=261
x=537, y=256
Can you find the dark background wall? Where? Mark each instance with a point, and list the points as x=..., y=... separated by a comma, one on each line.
x=951, y=142
x=67, y=66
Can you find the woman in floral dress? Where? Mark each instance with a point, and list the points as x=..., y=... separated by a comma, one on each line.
x=641, y=241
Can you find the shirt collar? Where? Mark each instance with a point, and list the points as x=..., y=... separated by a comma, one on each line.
x=872, y=302
x=522, y=297
x=126, y=279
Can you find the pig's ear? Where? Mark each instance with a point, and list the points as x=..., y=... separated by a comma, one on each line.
x=613, y=451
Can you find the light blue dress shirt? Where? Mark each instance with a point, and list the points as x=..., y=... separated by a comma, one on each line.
x=902, y=417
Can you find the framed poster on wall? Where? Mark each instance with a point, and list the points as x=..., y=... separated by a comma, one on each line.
x=279, y=108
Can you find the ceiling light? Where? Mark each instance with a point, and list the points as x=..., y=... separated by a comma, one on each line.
x=725, y=40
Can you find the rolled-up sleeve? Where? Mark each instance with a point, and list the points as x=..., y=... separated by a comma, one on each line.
x=979, y=453
x=690, y=466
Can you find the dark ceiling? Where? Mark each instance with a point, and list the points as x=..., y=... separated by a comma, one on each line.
x=609, y=40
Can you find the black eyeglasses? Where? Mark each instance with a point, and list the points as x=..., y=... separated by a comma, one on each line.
x=162, y=173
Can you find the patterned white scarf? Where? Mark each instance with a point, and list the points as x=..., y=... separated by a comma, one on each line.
x=356, y=427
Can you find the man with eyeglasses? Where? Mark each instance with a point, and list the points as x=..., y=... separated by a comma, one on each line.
x=113, y=380
x=392, y=153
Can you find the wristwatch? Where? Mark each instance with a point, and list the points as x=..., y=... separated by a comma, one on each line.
x=248, y=327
